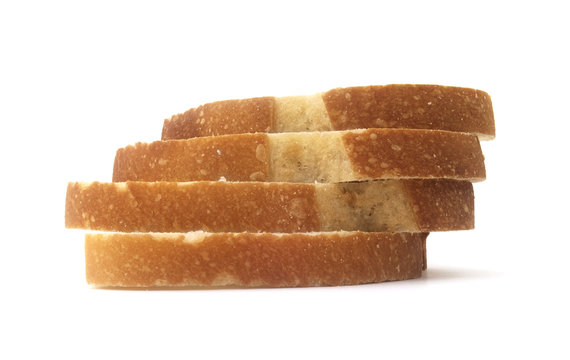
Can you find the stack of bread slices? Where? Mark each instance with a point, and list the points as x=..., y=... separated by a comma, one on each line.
x=337, y=188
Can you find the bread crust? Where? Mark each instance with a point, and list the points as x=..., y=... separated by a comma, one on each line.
x=252, y=259
x=432, y=107
x=455, y=203
x=233, y=158
x=411, y=205
x=397, y=153
x=412, y=107
x=306, y=157
x=222, y=117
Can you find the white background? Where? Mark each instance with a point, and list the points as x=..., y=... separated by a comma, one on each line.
x=79, y=80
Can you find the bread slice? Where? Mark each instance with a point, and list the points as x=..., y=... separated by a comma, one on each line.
x=392, y=106
x=383, y=205
x=331, y=156
x=251, y=259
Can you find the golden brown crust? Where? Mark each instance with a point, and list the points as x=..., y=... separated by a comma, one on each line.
x=455, y=204
x=431, y=107
x=373, y=154
x=221, y=117
x=236, y=158
x=413, y=107
x=181, y=207
x=252, y=259
x=256, y=206
x=397, y=153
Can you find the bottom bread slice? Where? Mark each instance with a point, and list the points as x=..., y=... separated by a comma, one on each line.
x=252, y=259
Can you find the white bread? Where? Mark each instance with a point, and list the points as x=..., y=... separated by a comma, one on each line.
x=331, y=156
x=392, y=106
x=268, y=231
x=251, y=259
x=383, y=205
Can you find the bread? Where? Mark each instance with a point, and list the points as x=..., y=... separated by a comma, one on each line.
x=383, y=205
x=343, y=192
x=391, y=106
x=332, y=156
x=251, y=259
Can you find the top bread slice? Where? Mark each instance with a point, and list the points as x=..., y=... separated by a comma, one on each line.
x=431, y=107
x=324, y=157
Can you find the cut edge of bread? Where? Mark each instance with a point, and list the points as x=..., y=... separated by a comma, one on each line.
x=201, y=259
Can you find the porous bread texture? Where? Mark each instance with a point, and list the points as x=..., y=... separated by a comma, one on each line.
x=408, y=106
x=309, y=157
x=252, y=259
x=300, y=113
x=352, y=206
x=384, y=205
x=329, y=156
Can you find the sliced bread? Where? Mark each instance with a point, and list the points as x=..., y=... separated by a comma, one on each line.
x=330, y=156
x=392, y=106
x=252, y=259
x=382, y=205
